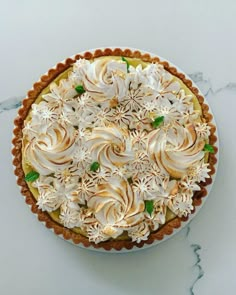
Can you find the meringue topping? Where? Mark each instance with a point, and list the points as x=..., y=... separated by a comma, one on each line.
x=112, y=123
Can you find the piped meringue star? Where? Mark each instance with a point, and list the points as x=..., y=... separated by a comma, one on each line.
x=139, y=139
x=145, y=188
x=139, y=233
x=182, y=101
x=167, y=110
x=60, y=94
x=199, y=172
x=188, y=184
x=82, y=157
x=42, y=113
x=49, y=200
x=70, y=215
x=68, y=174
x=141, y=121
x=101, y=175
x=85, y=189
x=95, y=233
x=122, y=116
x=52, y=193
x=122, y=172
x=102, y=118
x=181, y=204
x=203, y=130
x=140, y=165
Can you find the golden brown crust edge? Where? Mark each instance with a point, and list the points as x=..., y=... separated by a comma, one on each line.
x=58, y=229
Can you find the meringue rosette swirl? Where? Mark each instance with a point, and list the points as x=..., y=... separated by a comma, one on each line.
x=103, y=79
x=115, y=204
x=53, y=150
x=118, y=145
x=111, y=146
x=175, y=149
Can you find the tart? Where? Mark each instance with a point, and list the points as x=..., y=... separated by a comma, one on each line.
x=114, y=149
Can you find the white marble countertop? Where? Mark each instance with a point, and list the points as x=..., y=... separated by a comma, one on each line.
x=199, y=37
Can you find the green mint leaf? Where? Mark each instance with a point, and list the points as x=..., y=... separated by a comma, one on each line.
x=80, y=89
x=94, y=166
x=158, y=121
x=31, y=176
x=149, y=206
x=209, y=148
x=127, y=63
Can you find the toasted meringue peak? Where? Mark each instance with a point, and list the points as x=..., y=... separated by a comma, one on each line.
x=203, y=130
x=95, y=233
x=181, y=204
x=139, y=232
x=69, y=214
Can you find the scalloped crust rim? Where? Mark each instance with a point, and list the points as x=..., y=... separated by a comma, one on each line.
x=166, y=229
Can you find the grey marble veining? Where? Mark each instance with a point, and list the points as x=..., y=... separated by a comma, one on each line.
x=196, y=248
x=230, y=86
x=206, y=86
x=11, y=103
x=203, y=83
